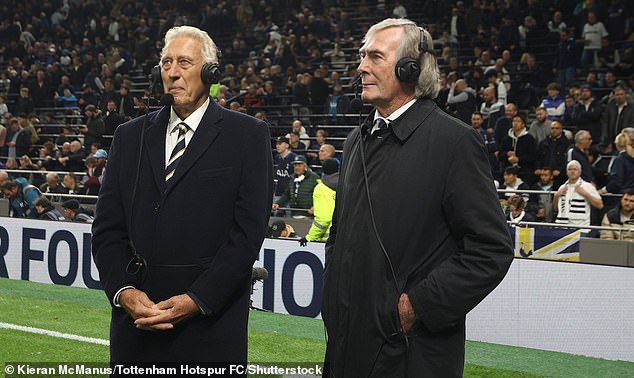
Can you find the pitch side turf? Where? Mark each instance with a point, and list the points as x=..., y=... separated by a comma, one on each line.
x=272, y=337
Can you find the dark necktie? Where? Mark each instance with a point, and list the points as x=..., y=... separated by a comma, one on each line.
x=379, y=125
x=177, y=152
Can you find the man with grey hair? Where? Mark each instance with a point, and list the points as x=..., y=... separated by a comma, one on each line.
x=579, y=152
x=394, y=289
x=52, y=185
x=179, y=279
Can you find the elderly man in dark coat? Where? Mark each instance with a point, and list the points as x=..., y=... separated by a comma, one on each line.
x=178, y=279
x=419, y=238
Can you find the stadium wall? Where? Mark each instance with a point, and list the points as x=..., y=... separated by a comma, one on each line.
x=567, y=307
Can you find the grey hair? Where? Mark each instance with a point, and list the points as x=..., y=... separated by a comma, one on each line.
x=52, y=175
x=580, y=134
x=428, y=84
x=209, y=50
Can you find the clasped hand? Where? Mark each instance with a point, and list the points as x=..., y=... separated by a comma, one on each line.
x=160, y=316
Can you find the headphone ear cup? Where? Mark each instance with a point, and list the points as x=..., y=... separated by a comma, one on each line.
x=407, y=70
x=156, y=82
x=155, y=74
x=210, y=73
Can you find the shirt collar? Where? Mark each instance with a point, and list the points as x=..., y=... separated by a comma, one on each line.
x=192, y=121
x=397, y=113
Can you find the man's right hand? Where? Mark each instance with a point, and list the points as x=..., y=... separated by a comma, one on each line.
x=137, y=304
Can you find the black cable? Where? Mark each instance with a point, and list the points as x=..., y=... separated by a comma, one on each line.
x=372, y=218
x=378, y=238
x=137, y=263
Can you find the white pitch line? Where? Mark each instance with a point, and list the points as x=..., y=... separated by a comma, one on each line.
x=46, y=332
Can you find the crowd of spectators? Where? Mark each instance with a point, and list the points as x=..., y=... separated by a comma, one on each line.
x=71, y=71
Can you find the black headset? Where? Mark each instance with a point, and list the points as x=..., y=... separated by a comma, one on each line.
x=209, y=74
x=408, y=69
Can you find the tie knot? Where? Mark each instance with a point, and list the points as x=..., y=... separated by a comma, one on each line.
x=182, y=128
x=380, y=124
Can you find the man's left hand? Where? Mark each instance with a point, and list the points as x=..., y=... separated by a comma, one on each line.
x=406, y=313
x=174, y=310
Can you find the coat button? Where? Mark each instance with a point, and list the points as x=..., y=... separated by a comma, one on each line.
x=156, y=207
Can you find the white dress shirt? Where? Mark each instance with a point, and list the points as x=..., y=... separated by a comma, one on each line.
x=192, y=121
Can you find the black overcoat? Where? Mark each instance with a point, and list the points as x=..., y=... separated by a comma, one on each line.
x=226, y=171
x=437, y=213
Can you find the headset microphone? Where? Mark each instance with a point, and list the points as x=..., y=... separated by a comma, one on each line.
x=167, y=99
x=356, y=105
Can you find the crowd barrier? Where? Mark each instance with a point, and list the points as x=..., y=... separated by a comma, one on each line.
x=568, y=307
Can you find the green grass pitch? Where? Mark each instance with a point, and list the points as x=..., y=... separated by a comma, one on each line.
x=272, y=337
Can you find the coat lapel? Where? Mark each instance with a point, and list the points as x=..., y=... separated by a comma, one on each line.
x=155, y=145
x=205, y=134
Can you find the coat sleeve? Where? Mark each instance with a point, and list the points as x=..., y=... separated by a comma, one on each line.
x=484, y=250
x=285, y=197
x=110, y=239
x=616, y=177
x=231, y=268
x=330, y=243
x=322, y=212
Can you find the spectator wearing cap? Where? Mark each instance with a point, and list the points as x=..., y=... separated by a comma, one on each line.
x=95, y=170
x=554, y=103
x=93, y=131
x=46, y=210
x=299, y=194
x=283, y=166
x=323, y=203
x=587, y=114
x=280, y=229
x=75, y=212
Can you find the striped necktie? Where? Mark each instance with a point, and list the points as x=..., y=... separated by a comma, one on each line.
x=379, y=125
x=177, y=152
